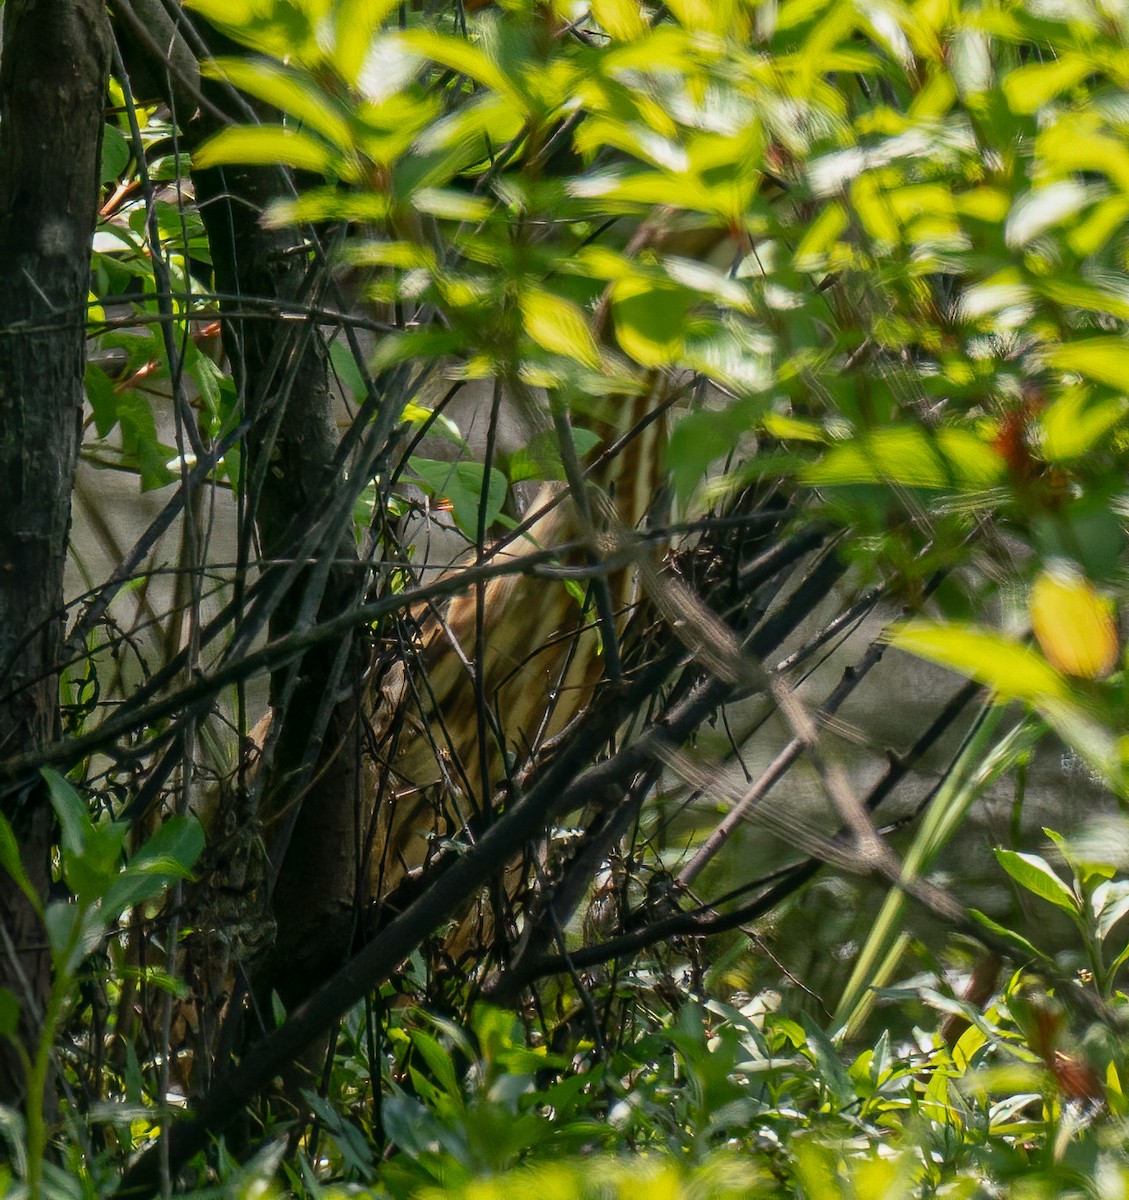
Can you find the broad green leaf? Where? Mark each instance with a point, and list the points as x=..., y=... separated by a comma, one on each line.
x=330, y=204
x=541, y=459
x=1073, y=293
x=139, y=441
x=1029, y=87
x=115, y=154
x=102, y=398
x=166, y=857
x=621, y=19
x=698, y=439
x=91, y=853
x=438, y=1061
x=462, y=56
x=785, y=427
x=266, y=145
x=356, y=23
x=286, y=29
x=557, y=325
x=1077, y=422
x=288, y=90
x=72, y=811
x=1013, y=671
x=1035, y=875
x=650, y=319
x=911, y=456
x=1101, y=359
x=461, y=484
x=174, y=847
x=73, y=932
x=695, y=14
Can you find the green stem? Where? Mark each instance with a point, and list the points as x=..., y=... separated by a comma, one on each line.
x=37, y=1082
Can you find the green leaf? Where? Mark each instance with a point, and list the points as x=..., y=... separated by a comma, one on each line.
x=174, y=847
x=11, y=862
x=910, y=456
x=91, y=854
x=1110, y=903
x=1101, y=359
x=699, y=439
x=460, y=55
x=103, y=399
x=115, y=154
x=1076, y=422
x=266, y=145
x=541, y=459
x=140, y=445
x=356, y=23
x=557, y=325
x=438, y=1061
x=461, y=483
x=1029, y=87
x=650, y=319
x=72, y=811
x=1013, y=671
x=621, y=19
x=329, y=204
x=1013, y=939
x=73, y=932
x=451, y=205
x=285, y=89
x=1035, y=875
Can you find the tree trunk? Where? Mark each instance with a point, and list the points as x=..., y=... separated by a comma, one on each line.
x=53, y=70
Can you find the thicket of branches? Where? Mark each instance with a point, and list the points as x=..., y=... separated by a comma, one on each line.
x=535, y=400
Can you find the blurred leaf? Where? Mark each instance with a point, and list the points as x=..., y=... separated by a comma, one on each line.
x=1076, y=422
x=284, y=89
x=1013, y=939
x=1029, y=87
x=1110, y=902
x=1100, y=359
x=910, y=456
x=650, y=319
x=558, y=326
x=266, y=145
x=356, y=24
x=1013, y=671
x=1076, y=628
x=458, y=54
x=620, y=18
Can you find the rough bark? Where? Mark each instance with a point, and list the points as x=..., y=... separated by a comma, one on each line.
x=53, y=70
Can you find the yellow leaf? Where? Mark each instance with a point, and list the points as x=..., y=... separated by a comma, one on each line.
x=1075, y=626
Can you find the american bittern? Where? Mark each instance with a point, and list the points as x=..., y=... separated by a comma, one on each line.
x=477, y=691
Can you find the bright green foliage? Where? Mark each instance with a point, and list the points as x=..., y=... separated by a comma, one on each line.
x=104, y=882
